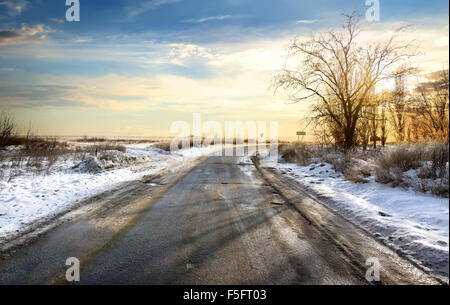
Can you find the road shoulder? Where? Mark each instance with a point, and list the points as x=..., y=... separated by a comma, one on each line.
x=351, y=240
x=125, y=202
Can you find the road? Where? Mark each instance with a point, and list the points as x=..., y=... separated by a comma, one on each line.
x=220, y=222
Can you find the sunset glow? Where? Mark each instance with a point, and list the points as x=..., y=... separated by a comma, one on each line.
x=130, y=68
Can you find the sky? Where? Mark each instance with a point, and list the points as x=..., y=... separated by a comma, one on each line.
x=133, y=67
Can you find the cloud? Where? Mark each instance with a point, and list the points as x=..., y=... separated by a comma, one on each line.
x=442, y=41
x=4, y=35
x=205, y=19
x=23, y=96
x=15, y=7
x=241, y=72
x=148, y=6
x=83, y=40
x=24, y=35
x=7, y=69
x=305, y=21
x=57, y=20
x=262, y=56
x=181, y=52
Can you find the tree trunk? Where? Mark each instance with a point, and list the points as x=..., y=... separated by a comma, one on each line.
x=349, y=138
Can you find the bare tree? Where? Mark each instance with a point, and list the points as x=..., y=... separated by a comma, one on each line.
x=325, y=126
x=383, y=126
x=363, y=129
x=432, y=107
x=372, y=126
x=398, y=109
x=373, y=113
x=337, y=68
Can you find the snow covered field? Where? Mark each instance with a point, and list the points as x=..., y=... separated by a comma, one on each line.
x=415, y=223
x=30, y=196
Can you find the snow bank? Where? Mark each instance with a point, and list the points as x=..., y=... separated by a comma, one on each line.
x=415, y=223
x=30, y=197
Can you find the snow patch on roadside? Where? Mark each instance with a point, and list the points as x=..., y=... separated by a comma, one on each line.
x=30, y=197
x=415, y=223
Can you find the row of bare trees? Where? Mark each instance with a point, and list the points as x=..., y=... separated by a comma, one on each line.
x=417, y=115
x=408, y=116
x=339, y=74
x=404, y=116
x=428, y=110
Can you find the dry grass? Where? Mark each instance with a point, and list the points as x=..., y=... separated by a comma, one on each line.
x=296, y=153
x=102, y=140
x=7, y=128
x=167, y=145
x=163, y=145
x=107, y=147
x=358, y=174
x=429, y=166
x=91, y=140
x=39, y=154
x=422, y=168
x=404, y=158
x=96, y=149
x=2, y=160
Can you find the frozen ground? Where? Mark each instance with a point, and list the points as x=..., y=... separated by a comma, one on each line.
x=417, y=224
x=30, y=196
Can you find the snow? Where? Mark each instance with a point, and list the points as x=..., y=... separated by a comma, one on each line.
x=415, y=223
x=30, y=197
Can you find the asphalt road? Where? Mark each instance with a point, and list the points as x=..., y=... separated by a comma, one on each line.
x=219, y=223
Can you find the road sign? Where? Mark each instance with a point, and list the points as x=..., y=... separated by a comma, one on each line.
x=300, y=133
